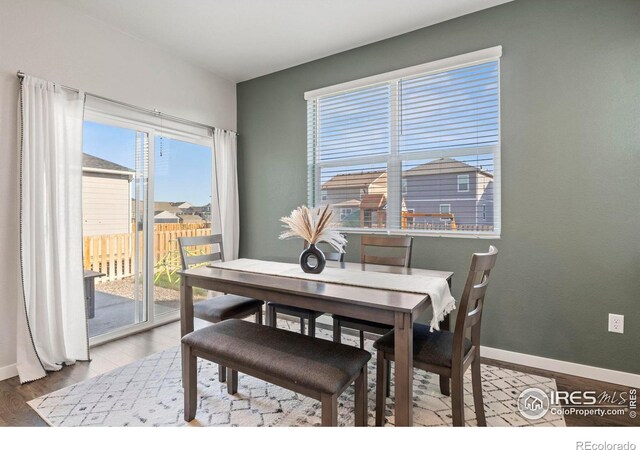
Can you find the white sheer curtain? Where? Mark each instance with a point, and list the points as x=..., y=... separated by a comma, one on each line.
x=52, y=328
x=226, y=167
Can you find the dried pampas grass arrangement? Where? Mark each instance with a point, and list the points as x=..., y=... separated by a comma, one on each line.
x=313, y=225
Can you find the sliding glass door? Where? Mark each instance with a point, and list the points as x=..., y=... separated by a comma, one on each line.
x=182, y=208
x=143, y=188
x=115, y=184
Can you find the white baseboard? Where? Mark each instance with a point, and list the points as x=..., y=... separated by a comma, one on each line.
x=569, y=368
x=8, y=372
x=554, y=365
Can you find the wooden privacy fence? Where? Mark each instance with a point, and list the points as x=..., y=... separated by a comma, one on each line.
x=446, y=226
x=114, y=254
x=176, y=226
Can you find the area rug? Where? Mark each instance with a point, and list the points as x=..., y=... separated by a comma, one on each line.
x=149, y=393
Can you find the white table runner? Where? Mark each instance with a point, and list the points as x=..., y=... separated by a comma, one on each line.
x=436, y=287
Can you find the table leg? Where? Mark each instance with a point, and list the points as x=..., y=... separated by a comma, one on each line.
x=404, y=369
x=186, y=308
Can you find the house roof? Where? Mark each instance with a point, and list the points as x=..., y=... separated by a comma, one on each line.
x=353, y=203
x=93, y=162
x=353, y=180
x=165, y=215
x=191, y=218
x=166, y=206
x=444, y=165
x=373, y=201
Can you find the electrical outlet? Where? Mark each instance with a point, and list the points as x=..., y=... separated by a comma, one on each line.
x=616, y=323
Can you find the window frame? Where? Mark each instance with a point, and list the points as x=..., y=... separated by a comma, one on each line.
x=448, y=205
x=344, y=212
x=394, y=159
x=462, y=175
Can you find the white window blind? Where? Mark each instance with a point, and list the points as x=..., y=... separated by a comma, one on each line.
x=388, y=151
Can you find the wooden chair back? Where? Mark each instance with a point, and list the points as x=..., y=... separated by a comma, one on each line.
x=189, y=259
x=403, y=243
x=330, y=254
x=472, y=301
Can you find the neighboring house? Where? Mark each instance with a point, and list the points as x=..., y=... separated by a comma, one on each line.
x=165, y=217
x=106, y=194
x=373, y=211
x=170, y=212
x=436, y=193
x=182, y=205
x=202, y=211
x=191, y=218
x=345, y=192
x=448, y=186
x=168, y=207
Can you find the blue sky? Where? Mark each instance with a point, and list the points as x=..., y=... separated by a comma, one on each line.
x=182, y=169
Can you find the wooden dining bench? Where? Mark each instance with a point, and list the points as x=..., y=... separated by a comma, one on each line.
x=313, y=367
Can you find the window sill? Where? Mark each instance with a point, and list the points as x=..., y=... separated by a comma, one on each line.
x=420, y=233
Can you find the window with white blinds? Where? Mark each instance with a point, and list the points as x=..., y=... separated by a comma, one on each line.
x=413, y=151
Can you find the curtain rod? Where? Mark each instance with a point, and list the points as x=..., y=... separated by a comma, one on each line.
x=154, y=112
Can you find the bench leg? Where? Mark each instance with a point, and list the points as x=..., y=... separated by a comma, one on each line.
x=222, y=373
x=189, y=381
x=361, y=398
x=337, y=331
x=301, y=325
x=382, y=373
x=362, y=339
x=259, y=316
x=329, y=410
x=232, y=381
x=312, y=325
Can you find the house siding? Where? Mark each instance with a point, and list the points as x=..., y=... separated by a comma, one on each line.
x=105, y=204
x=425, y=194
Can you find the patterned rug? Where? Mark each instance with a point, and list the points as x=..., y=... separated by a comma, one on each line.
x=149, y=393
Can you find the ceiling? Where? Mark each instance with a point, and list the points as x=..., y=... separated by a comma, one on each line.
x=243, y=39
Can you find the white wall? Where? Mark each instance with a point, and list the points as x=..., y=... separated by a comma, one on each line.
x=45, y=39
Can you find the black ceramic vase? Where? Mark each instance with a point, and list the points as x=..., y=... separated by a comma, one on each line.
x=312, y=259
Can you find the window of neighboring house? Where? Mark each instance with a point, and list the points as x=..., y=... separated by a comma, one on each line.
x=345, y=212
x=425, y=124
x=484, y=212
x=324, y=196
x=445, y=208
x=463, y=183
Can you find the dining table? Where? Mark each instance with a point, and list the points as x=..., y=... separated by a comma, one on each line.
x=392, y=307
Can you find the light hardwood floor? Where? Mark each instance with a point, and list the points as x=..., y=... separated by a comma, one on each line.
x=14, y=410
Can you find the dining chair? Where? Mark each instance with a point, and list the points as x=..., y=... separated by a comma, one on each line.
x=220, y=307
x=447, y=353
x=303, y=314
x=401, y=244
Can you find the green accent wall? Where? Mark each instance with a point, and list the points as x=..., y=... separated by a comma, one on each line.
x=570, y=245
